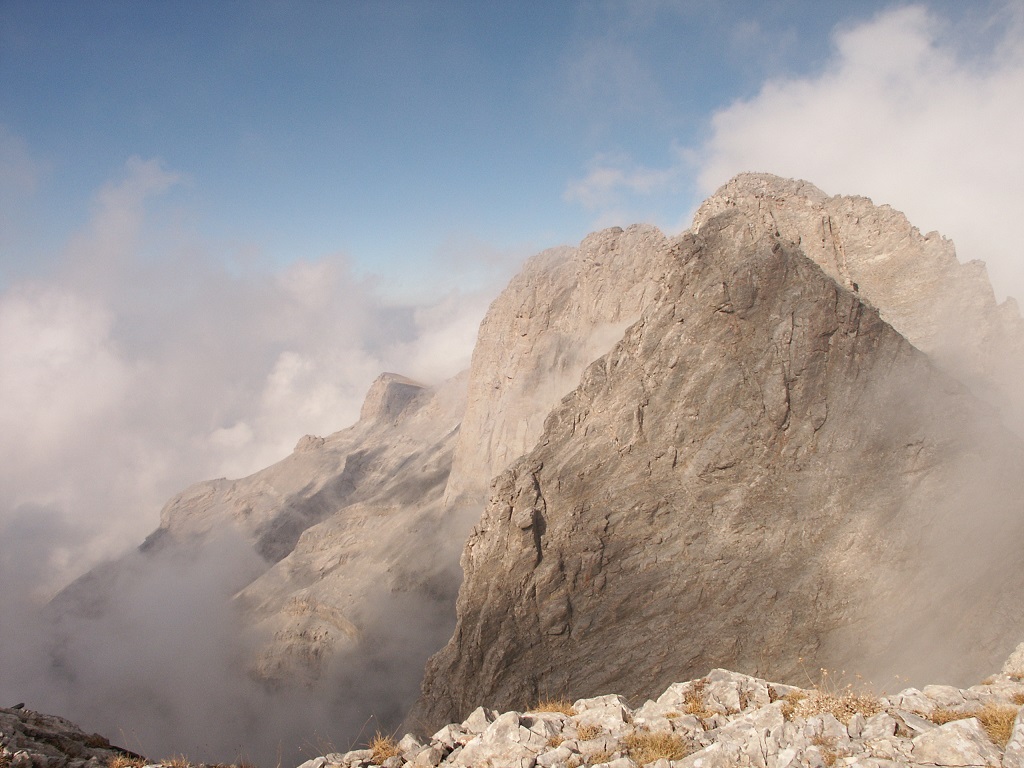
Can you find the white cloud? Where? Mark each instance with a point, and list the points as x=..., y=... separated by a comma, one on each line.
x=609, y=177
x=904, y=114
x=143, y=364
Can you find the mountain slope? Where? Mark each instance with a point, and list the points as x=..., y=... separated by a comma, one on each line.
x=762, y=469
x=756, y=415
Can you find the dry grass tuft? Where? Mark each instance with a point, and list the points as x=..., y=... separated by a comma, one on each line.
x=693, y=701
x=995, y=719
x=829, y=696
x=997, y=722
x=941, y=715
x=587, y=732
x=827, y=746
x=673, y=715
x=789, y=703
x=601, y=757
x=178, y=761
x=383, y=747
x=1018, y=699
x=644, y=747
x=124, y=761
x=554, y=705
x=841, y=706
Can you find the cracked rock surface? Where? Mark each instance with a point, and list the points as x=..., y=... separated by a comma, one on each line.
x=726, y=719
x=762, y=469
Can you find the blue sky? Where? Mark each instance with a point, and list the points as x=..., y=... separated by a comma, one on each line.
x=389, y=131
x=219, y=221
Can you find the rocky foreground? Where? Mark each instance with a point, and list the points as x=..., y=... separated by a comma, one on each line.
x=722, y=719
x=728, y=719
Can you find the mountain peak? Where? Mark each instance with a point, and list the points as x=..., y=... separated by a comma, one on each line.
x=388, y=396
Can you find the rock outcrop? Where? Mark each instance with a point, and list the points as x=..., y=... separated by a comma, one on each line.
x=33, y=740
x=762, y=469
x=725, y=719
x=343, y=560
x=564, y=309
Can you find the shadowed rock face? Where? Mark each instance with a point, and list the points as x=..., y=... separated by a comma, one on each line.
x=761, y=470
x=942, y=307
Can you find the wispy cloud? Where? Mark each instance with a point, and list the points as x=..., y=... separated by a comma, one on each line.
x=611, y=176
x=908, y=108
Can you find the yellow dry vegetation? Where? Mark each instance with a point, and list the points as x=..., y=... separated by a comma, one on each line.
x=644, y=747
x=125, y=761
x=553, y=705
x=383, y=747
x=693, y=701
x=997, y=720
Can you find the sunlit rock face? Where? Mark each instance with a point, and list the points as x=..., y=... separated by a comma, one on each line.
x=567, y=307
x=762, y=470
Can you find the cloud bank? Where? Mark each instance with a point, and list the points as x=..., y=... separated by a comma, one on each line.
x=908, y=113
x=145, y=361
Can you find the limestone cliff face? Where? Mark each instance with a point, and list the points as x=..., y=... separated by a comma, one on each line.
x=565, y=308
x=332, y=593
x=275, y=505
x=761, y=469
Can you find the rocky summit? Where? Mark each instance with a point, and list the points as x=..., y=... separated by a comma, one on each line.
x=791, y=432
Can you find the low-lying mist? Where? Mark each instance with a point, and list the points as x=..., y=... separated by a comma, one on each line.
x=141, y=362
x=151, y=653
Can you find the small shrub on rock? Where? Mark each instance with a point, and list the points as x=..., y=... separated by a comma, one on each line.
x=693, y=701
x=383, y=747
x=601, y=757
x=842, y=707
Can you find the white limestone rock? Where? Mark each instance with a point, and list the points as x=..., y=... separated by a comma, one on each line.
x=961, y=743
x=1014, y=665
